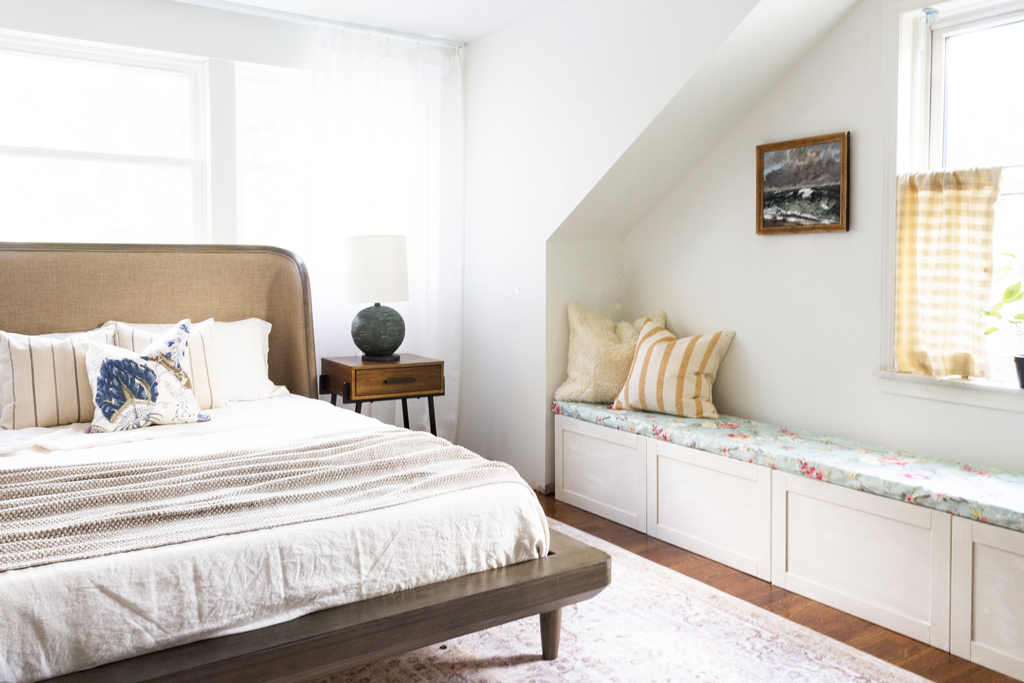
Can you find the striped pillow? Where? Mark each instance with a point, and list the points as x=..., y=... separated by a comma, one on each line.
x=43, y=379
x=200, y=364
x=672, y=375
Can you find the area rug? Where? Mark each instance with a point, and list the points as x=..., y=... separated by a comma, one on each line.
x=650, y=624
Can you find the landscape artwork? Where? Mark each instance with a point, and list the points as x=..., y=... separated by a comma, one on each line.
x=801, y=185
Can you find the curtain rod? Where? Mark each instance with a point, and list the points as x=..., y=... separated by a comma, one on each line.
x=318, y=21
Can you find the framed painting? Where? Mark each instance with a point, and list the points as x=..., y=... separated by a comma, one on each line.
x=802, y=185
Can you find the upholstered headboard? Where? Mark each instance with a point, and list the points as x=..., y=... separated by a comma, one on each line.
x=74, y=287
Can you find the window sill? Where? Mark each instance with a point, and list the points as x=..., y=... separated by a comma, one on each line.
x=969, y=392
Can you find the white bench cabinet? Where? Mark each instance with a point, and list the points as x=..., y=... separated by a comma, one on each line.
x=878, y=559
x=987, y=607
x=601, y=470
x=711, y=505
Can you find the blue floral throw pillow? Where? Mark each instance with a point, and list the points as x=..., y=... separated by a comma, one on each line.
x=133, y=390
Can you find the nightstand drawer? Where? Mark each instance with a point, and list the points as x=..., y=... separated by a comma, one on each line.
x=396, y=381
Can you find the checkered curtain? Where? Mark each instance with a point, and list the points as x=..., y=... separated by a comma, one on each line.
x=944, y=270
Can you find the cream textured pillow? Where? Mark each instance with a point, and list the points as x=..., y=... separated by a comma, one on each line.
x=43, y=380
x=599, y=355
x=200, y=361
x=672, y=375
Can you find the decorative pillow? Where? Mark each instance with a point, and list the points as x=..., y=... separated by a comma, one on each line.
x=134, y=390
x=243, y=349
x=200, y=363
x=599, y=355
x=43, y=380
x=672, y=375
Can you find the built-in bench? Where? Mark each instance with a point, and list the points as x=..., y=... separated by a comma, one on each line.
x=931, y=548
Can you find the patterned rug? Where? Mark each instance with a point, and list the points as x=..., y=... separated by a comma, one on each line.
x=650, y=624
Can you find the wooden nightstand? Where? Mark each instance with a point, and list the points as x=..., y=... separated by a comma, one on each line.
x=365, y=382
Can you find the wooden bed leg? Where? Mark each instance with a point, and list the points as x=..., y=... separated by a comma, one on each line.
x=550, y=630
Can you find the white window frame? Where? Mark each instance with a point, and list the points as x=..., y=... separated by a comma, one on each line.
x=914, y=138
x=193, y=68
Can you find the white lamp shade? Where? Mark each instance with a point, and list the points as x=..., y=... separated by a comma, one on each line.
x=377, y=270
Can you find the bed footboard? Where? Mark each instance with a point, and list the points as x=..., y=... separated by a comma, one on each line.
x=350, y=635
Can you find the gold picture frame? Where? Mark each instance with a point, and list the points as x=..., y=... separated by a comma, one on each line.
x=803, y=185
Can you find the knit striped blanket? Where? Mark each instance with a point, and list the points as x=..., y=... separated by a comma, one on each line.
x=69, y=512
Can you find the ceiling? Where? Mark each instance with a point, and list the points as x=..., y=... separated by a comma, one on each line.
x=457, y=20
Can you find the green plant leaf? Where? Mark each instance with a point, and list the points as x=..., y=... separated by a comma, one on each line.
x=991, y=330
x=1019, y=316
x=1006, y=253
x=1012, y=293
x=1004, y=269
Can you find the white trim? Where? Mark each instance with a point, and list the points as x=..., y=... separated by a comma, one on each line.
x=295, y=17
x=72, y=48
x=968, y=392
x=43, y=152
x=221, y=215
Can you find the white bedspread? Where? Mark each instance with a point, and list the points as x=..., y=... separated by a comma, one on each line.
x=72, y=615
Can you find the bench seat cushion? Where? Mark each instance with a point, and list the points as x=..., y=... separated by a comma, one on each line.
x=987, y=495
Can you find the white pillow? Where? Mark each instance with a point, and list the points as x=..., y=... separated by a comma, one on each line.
x=132, y=390
x=242, y=349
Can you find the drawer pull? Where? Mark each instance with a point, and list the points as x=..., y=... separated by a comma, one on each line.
x=400, y=380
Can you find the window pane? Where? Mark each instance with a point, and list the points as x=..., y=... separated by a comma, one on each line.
x=274, y=119
x=79, y=105
x=1007, y=238
x=59, y=200
x=984, y=98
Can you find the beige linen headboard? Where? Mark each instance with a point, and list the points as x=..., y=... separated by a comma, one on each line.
x=74, y=287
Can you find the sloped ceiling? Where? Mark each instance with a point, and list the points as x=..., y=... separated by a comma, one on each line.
x=766, y=44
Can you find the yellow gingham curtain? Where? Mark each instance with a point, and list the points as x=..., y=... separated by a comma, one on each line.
x=944, y=270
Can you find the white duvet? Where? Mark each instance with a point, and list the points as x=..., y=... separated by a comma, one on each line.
x=63, y=617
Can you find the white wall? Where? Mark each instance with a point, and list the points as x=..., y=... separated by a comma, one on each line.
x=552, y=102
x=168, y=27
x=806, y=308
x=590, y=273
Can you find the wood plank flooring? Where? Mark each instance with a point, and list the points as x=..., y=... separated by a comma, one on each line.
x=894, y=648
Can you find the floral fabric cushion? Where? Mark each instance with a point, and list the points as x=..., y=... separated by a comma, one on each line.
x=986, y=495
x=132, y=390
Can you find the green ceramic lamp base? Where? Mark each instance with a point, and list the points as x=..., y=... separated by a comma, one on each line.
x=378, y=331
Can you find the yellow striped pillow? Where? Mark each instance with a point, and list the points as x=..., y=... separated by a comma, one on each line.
x=672, y=375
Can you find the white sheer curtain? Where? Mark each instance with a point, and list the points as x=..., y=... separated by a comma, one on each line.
x=387, y=159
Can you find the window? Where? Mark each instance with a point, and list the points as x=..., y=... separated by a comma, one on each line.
x=273, y=107
x=99, y=145
x=960, y=106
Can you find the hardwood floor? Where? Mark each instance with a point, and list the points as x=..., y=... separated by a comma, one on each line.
x=894, y=648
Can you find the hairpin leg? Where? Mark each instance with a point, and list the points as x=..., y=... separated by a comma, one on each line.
x=359, y=407
x=433, y=424
x=405, y=412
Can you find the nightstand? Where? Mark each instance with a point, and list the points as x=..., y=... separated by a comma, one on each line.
x=365, y=382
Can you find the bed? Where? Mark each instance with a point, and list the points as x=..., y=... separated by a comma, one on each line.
x=319, y=596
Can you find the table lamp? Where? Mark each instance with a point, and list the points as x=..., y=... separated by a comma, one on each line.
x=377, y=271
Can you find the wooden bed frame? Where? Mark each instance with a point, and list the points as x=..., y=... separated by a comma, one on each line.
x=70, y=287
